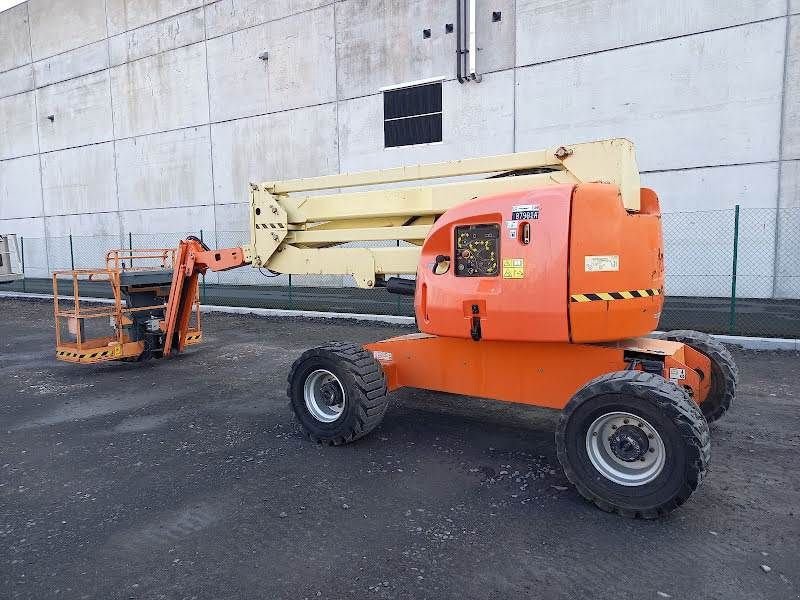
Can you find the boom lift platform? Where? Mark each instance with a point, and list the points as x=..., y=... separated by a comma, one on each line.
x=536, y=283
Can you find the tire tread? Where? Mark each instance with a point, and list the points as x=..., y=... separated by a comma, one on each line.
x=670, y=398
x=368, y=388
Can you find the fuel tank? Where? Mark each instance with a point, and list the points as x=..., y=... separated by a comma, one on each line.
x=553, y=264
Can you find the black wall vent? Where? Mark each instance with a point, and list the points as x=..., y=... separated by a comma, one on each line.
x=412, y=115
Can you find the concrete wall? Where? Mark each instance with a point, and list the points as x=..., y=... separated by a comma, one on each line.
x=151, y=116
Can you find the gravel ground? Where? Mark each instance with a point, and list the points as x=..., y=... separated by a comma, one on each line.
x=188, y=478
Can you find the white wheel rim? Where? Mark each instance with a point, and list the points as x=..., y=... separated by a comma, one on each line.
x=625, y=449
x=324, y=396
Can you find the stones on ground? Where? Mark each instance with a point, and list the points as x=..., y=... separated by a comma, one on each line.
x=663, y=595
x=766, y=568
x=560, y=488
x=345, y=506
x=713, y=533
x=283, y=515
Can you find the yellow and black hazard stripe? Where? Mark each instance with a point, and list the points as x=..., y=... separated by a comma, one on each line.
x=97, y=354
x=624, y=295
x=193, y=338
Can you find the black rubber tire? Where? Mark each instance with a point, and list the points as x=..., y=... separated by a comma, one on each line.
x=669, y=410
x=364, y=386
x=724, y=372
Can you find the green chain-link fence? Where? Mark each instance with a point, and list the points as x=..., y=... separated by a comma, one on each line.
x=731, y=271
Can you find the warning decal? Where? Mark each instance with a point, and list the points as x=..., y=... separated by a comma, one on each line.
x=678, y=374
x=593, y=264
x=513, y=268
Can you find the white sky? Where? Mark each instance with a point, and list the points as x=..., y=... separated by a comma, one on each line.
x=4, y=4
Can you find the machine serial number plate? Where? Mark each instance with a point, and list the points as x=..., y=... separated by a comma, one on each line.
x=525, y=212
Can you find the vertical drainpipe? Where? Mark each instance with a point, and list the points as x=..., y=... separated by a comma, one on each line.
x=472, y=54
x=459, y=47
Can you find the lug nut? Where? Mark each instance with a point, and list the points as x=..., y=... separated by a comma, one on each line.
x=626, y=421
x=651, y=450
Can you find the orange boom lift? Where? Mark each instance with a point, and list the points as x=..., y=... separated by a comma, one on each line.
x=537, y=285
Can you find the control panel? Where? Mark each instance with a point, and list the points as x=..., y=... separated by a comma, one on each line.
x=477, y=250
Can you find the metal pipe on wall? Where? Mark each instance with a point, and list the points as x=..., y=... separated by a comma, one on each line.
x=466, y=50
x=472, y=54
x=459, y=46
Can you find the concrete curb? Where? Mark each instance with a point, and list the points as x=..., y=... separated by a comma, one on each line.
x=750, y=343
x=315, y=314
x=759, y=343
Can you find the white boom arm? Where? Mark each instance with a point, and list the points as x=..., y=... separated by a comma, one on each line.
x=294, y=231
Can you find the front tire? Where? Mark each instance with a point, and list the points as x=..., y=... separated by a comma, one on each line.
x=633, y=443
x=337, y=392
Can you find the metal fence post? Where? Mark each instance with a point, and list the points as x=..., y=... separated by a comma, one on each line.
x=203, y=278
x=71, y=253
x=290, y=290
x=130, y=247
x=22, y=259
x=732, y=317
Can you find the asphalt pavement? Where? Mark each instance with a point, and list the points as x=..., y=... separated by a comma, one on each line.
x=189, y=478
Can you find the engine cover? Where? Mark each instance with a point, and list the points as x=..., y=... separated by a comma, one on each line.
x=495, y=268
x=556, y=264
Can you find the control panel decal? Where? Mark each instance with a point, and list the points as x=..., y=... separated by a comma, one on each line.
x=477, y=250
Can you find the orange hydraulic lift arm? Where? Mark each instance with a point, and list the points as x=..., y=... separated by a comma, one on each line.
x=192, y=259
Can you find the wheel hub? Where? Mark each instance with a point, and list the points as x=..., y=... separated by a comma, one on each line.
x=629, y=443
x=331, y=393
x=324, y=396
x=625, y=448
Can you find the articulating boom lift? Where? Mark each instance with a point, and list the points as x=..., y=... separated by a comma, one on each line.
x=534, y=284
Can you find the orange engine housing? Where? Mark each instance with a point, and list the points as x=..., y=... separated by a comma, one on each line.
x=565, y=263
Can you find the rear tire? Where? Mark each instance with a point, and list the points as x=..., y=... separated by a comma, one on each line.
x=724, y=373
x=633, y=443
x=337, y=392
